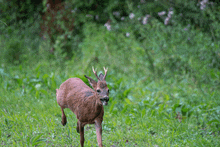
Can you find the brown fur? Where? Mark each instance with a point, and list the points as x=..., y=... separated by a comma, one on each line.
x=84, y=102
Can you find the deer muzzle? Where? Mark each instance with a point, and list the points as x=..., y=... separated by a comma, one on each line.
x=105, y=100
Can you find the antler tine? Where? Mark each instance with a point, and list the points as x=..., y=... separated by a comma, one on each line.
x=105, y=71
x=95, y=73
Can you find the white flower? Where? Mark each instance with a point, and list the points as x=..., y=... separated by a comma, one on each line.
x=131, y=16
x=161, y=13
x=203, y=4
x=166, y=21
x=145, y=19
x=127, y=34
x=108, y=25
x=170, y=13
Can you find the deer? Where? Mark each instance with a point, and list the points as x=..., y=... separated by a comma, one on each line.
x=86, y=103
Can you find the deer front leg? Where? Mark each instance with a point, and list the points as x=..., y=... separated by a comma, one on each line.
x=63, y=117
x=81, y=130
x=98, y=127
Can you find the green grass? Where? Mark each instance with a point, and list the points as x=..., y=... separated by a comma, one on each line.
x=164, y=90
x=140, y=113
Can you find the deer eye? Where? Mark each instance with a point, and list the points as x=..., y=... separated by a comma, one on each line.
x=98, y=90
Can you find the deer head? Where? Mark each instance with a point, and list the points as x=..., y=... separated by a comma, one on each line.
x=100, y=87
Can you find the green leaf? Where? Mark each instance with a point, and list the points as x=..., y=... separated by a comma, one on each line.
x=175, y=106
x=19, y=81
x=126, y=92
x=35, y=138
x=28, y=140
x=128, y=120
x=167, y=98
x=127, y=101
x=112, y=105
x=38, y=74
x=53, y=82
x=161, y=107
x=213, y=121
x=37, y=94
x=124, y=109
x=37, y=68
x=143, y=112
x=43, y=91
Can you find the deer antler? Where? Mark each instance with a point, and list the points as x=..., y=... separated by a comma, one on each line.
x=105, y=72
x=95, y=73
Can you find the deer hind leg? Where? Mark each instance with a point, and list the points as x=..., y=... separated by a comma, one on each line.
x=81, y=130
x=77, y=127
x=64, y=121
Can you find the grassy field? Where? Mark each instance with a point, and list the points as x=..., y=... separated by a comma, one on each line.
x=141, y=112
x=164, y=91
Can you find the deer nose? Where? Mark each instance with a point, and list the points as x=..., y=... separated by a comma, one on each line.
x=105, y=99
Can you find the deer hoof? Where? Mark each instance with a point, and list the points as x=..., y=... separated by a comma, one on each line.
x=77, y=128
x=63, y=123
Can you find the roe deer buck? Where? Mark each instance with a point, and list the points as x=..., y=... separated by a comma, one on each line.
x=86, y=103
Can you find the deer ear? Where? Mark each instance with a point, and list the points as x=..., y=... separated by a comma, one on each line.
x=101, y=77
x=92, y=82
